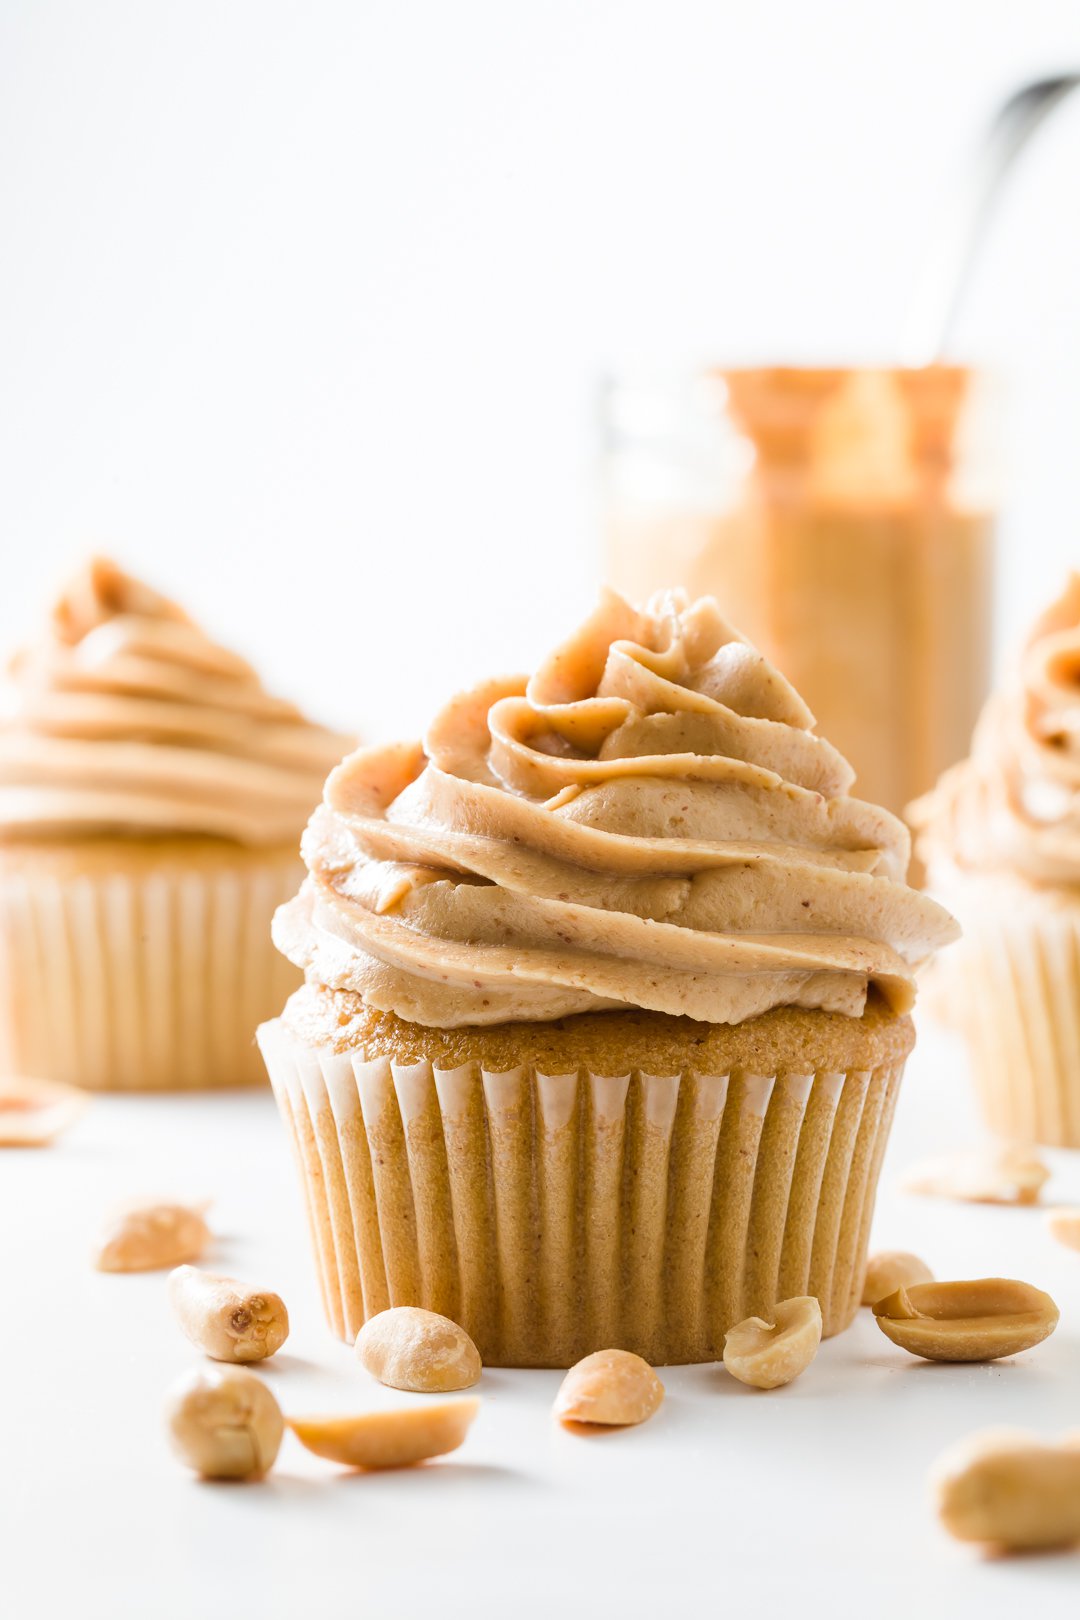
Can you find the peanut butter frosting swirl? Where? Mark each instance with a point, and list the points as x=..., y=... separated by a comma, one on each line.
x=125, y=717
x=649, y=822
x=1013, y=806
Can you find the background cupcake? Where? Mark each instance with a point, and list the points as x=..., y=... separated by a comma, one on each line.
x=1000, y=836
x=606, y=1004
x=151, y=800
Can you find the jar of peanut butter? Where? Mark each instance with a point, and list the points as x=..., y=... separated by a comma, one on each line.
x=844, y=520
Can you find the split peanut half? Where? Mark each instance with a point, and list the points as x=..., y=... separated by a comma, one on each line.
x=1064, y=1225
x=151, y=1236
x=34, y=1112
x=1006, y=1174
x=769, y=1354
x=980, y=1320
x=613, y=1388
x=395, y=1439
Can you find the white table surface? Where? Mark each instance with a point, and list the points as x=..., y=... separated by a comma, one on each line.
x=807, y=1500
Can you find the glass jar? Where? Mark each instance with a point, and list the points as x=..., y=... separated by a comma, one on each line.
x=844, y=521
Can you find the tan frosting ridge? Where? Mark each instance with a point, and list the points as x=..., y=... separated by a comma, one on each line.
x=1013, y=806
x=125, y=716
x=649, y=821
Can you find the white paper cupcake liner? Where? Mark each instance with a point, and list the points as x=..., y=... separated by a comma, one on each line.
x=553, y=1215
x=1012, y=988
x=141, y=982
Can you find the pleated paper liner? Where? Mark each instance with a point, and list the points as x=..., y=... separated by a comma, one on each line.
x=125, y=970
x=553, y=1215
x=1012, y=988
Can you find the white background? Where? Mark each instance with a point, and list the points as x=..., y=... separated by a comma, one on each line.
x=302, y=306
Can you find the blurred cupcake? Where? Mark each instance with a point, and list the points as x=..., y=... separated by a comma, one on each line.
x=606, y=1004
x=1000, y=836
x=151, y=801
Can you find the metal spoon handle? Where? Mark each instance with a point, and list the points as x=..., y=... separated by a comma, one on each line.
x=955, y=246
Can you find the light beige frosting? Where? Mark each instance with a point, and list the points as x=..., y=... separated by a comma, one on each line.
x=125, y=717
x=1013, y=807
x=649, y=821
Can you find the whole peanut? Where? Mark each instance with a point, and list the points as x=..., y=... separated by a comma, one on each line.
x=892, y=1269
x=224, y=1423
x=225, y=1318
x=1011, y=1490
x=408, y=1348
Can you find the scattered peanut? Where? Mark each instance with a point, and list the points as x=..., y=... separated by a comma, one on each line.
x=227, y=1320
x=1009, y=1489
x=408, y=1348
x=1006, y=1174
x=890, y=1270
x=980, y=1320
x=1064, y=1224
x=224, y=1423
x=610, y=1387
x=388, y=1439
x=150, y=1237
x=768, y=1354
x=34, y=1112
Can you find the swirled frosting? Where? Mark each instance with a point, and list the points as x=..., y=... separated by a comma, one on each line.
x=125, y=717
x=1013, y=806
x=649, y=822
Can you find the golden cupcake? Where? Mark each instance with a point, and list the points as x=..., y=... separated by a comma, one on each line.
x=152, y=796
x=606, y=1004
x=1000, y=836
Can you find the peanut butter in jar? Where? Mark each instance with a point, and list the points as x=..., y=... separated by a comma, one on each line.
x=842, y=519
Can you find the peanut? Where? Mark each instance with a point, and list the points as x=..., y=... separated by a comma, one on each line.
x=408, y=1348
x=224, y=1423
x=768, y=1354
x=1009, y=1489
x=1006, y=1174
x=151, y=1237
x=388, y=1439
x=611, y=1387
x=890, y=1270
x=34, y=1112
x=224, y=1318
x=980, y=1320
x=1064, y=1225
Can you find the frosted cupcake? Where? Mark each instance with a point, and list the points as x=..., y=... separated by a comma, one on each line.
x=606, y=1005
x=152, y=797
x=1001, y=839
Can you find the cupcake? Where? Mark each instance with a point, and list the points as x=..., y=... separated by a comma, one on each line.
x=152, y=796
x=606, y=1004
x=1000, y=836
